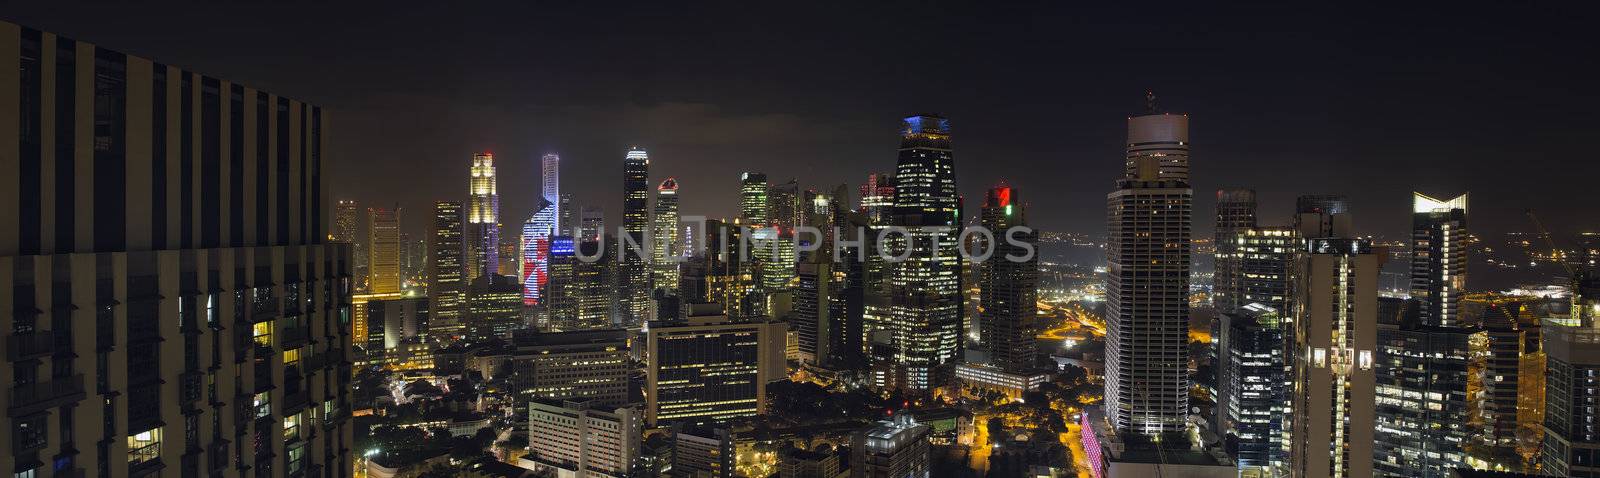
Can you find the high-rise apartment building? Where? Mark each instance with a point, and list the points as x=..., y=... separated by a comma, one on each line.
x=483, y=219
x=664, y=241
x=707, y=368
x=896, y=447
x=633, y=277
x=925, y=310
x=344, y=221
x=589, y=365
x=173, y=303
x=1333, y=421
x=1147, y=287
x=383, y=250
x=447, y=284
x=1439, y=257
x=584, y=439
x=1236, y=212
x=1008, y=287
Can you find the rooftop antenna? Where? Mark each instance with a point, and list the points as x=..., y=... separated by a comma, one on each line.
x=1150, y=102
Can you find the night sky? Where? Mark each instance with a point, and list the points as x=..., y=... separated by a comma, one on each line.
x=1288, y=100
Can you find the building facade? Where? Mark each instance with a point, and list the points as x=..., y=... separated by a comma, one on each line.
x=926, y=309
x=447, y=284
x=1333, y=421
x=1236, y=212
x=665, y=243
x=579, y=439
x=383, y=250
x=176, y=307
x=707, y=369
x=897, y=447
x=483, y=219
x=589, y=365
x=1008, y=288
x=1439, y=257
x=633, y=277
x=1147, y=300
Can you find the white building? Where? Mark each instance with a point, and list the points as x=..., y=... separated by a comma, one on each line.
x=573, y=441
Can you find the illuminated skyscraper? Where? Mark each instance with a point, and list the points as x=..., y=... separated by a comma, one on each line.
x=1439, y=257
x=344, y=222
x=536, y=233
x=383, y=262
x=776, y=252
x=1147, y=295
x=1236, y=211
x=1333, y=398
x=753, y=199
x=483, y=219
x=633, y=279
x=1163, y=136
x=1570, y=439
x=591, y=224
x=1251, y=387
x=925, y=312
x=877, y=198
x=664, y=239
x=447, y=285
x=1008, y=289
x=155, y=326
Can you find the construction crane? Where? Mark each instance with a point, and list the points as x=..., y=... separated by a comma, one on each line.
x=1554, y=253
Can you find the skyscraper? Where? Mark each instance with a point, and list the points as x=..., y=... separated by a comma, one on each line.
x=1236, y=211
x=925, y=313
x=1147, y=288
x=664, y=239
x=753, y=199
x=447, y=285
x=483, y=219
x=1008, y=289
x=877, y=197
x=1572, y=362
x=1422, y=392
x=383, y=263
x=591, y=224
x=633, y=278
x=1439, y=257
x=344, y=222
x=143, y=256
x=1333, y=399
x=1251, y=387
x=536, y=233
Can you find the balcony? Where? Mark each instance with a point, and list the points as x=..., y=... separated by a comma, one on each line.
x=294, y=402
x=314, y=363
x=217, y=455
x=291, y=337
x=29, y=345
x=40, y=396
x=145, y=460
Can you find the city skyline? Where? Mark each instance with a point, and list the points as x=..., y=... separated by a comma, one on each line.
x=447, y=279
x=691, y=118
